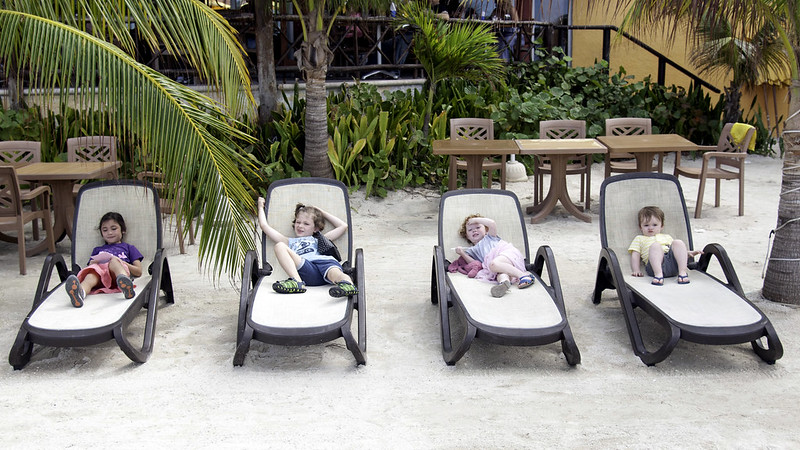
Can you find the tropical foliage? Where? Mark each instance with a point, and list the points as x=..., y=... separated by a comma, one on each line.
x=84, y=50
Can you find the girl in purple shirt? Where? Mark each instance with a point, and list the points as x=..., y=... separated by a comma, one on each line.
x=110, y=267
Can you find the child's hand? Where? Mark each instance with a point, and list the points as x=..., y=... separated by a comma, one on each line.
x=693, y=253
x=261, y=202
x=459, y=251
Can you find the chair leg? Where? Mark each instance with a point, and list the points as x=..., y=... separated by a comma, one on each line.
x=717, y=192
x=503, y=176
x=741, y=195
x=21, y=246
x=698, y=208
x=180, y=236
x=488, y=179
x=588, y=183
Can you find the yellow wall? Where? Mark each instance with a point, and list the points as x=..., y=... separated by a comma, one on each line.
x=587, y=47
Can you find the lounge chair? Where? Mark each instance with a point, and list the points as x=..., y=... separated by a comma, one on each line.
x=533, y=316
x=312, y=317
x=707, y=310
x=53, y=321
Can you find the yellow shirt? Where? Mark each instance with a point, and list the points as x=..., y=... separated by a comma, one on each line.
x=642, y=243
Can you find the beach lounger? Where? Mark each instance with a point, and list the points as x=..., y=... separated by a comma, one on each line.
x=312, y=317
x=533, y=316
x=53, y=321
x=707, y=310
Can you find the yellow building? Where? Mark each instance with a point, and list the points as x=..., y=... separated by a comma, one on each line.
x=586, y=47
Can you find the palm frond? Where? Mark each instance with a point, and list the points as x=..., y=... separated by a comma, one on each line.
x=186, y=134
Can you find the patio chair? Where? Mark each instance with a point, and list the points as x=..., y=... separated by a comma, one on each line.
x=581, y=165
x=22, y=153
x=312, y=317
x=13, y=216
x=623, y=162
x=533, y=316
x=53, y=321
x=706, y=311
x=156, y=179
x=91, y=148
x=477, y=129
x=729, y=155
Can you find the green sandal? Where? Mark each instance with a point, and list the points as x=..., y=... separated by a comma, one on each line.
x=289, y=286
x=526, y=281
x=343, y=289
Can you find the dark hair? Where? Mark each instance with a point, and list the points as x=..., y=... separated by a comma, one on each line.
x=116, y=217
x=651, y=211
x=316, y=215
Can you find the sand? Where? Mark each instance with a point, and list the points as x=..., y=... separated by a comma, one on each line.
x=189, y=394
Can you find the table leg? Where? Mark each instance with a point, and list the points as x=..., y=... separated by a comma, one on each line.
x=557, y=192
x=474, y=171
x=62, y=208
x=644, y=161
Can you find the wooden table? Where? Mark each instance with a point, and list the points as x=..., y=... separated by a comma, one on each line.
x=61, y=176
x=474, y=152
x=644, y=145
x=559, y=151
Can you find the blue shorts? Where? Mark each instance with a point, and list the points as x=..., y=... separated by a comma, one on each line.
x=315, y=272
x=669, y=266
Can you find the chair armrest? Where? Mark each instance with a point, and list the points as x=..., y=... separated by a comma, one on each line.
x=33, y=193
x=731, y=155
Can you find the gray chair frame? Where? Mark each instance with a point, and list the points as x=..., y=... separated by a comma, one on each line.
x=706, y=311
x=284, y=322
x=52, y=321
x=534, y=316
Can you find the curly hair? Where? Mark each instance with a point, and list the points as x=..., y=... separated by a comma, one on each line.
x=463, y=230
x=316, y=215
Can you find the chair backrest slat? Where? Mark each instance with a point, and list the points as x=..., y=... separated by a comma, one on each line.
x=92, y=149
x=20, y=153
x=472, y=128
x=628, y=126
x=562, y=129
x=10, y=205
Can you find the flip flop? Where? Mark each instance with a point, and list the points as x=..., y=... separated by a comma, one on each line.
x=683, y=279
x=526, y=281
x=657, y=281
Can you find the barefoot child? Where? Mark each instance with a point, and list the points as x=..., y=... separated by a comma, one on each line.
x=299, y=256
x=662, y=255
x=502, y=262
x=110, y=267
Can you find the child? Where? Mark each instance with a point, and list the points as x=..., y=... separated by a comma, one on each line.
x=501, y=260
x=299, y=256
x=110, y=266
x=662, y=255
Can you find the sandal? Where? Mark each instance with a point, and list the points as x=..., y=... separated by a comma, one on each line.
x=75, y=291
x=343, y=289
x=526, y=281
x=126, y=286
x=657, y=281
x=683, y=279
x=289, y=286
x=500, y=290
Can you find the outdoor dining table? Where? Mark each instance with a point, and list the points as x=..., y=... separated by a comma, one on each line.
x=61, y=176
x=559, y=152
x=474, y=152
x=643, y=146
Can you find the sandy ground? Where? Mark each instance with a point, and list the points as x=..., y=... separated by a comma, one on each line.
x=190, y=395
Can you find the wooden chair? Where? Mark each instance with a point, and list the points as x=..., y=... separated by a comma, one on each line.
x=13, y=217
x=478, y=129
x=167, y=204
x=623, y=162
x=18, y=154
x=728, y=164
x=91, y=148
x=563, y=129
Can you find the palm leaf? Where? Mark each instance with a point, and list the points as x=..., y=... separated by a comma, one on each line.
x=186, y=134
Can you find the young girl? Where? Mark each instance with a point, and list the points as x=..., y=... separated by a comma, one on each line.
x=299, y=256
x=110, y=267
x=501, y=260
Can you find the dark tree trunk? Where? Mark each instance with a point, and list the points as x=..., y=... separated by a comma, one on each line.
x=265, y=50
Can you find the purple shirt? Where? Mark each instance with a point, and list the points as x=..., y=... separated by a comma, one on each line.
x=122, y=250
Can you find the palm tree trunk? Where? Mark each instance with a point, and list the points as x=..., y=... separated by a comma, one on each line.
x=314, y=56
x=267, y=88
x=782, y=280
